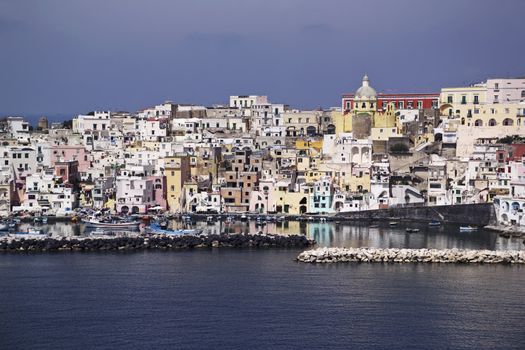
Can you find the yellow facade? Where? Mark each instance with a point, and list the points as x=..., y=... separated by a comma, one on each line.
x=177, y=172
x=293, y=203
x=360, y=180
x=313, y=145
x=342, y=122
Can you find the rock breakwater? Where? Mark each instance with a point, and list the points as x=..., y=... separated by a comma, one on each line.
x=339, y=255
x=159, y=242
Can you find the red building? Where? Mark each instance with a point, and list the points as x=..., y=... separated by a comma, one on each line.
x=401, y=101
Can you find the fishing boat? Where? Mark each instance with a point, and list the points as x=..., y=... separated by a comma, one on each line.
x=434, y=223
x=111, y=223
x=467, y=228
x=157, y=230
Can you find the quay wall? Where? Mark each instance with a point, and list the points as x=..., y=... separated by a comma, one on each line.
x=392, y=255
x=480, y=214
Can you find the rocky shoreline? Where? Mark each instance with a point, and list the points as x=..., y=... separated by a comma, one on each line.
x=376, y=255
x=157, y=242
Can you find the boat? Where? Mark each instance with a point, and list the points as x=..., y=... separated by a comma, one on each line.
x=30, y=234
x=244, y=217
x=434, y=223
x=210, y=220
x=393, y=223
x=110, y=223
x=157, y=230
x=467, y=228
x=4, y=226
x=44, y=219
x=373, y=226
x=99, y=231
x=412, y=230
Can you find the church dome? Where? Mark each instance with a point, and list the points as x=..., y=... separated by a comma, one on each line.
x=366, y=91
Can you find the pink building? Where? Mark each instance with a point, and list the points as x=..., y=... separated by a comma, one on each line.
x=64, y=153
x=159, y=190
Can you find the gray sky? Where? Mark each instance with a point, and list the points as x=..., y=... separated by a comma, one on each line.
x=61, y=57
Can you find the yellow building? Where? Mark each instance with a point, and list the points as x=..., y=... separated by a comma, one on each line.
x=293, y=203
x=177, y=172
x=316, y=145
x=342, y=122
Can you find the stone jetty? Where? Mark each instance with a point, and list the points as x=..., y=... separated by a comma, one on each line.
x=457, y=256
x=157, y=242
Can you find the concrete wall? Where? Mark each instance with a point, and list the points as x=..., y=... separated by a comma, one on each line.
x=468, y=214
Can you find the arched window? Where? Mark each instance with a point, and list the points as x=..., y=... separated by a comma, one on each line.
x=492, y=122
x=508, y=122
x=478, y=122
x=363, y=105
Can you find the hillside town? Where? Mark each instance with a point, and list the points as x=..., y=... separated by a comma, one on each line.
x=376, y=150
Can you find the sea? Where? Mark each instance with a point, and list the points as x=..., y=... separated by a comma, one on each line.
x=229, y=298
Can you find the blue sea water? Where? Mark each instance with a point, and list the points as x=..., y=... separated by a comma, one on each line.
x=263, y=299
x=253, y=299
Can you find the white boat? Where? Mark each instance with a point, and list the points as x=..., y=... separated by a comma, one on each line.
x=116, y=224
x=393, y=223
x=467, y=228
x=30, y=234
x=157, y=230
x=4, y=227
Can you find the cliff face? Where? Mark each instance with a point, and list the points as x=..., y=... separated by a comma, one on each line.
x=468, y=214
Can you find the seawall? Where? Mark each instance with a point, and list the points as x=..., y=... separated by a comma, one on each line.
x=158, y=242
x=374, y=255
x=468, y=214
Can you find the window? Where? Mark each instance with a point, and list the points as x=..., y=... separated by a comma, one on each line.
x=400, y=105
x=419, y=104
x=449, y=99
x=476, y=99
x=464, y=99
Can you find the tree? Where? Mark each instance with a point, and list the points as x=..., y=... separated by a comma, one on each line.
x=67, y=124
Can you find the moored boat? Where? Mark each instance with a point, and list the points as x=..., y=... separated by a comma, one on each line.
x=467, y=228
x=434, y=223
x=157, y=230
x=112, y=224
x=412, y=230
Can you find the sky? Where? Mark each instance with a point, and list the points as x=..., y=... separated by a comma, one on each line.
x=65, y=57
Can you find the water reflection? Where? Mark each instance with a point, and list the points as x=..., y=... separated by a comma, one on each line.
x=338, y=234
